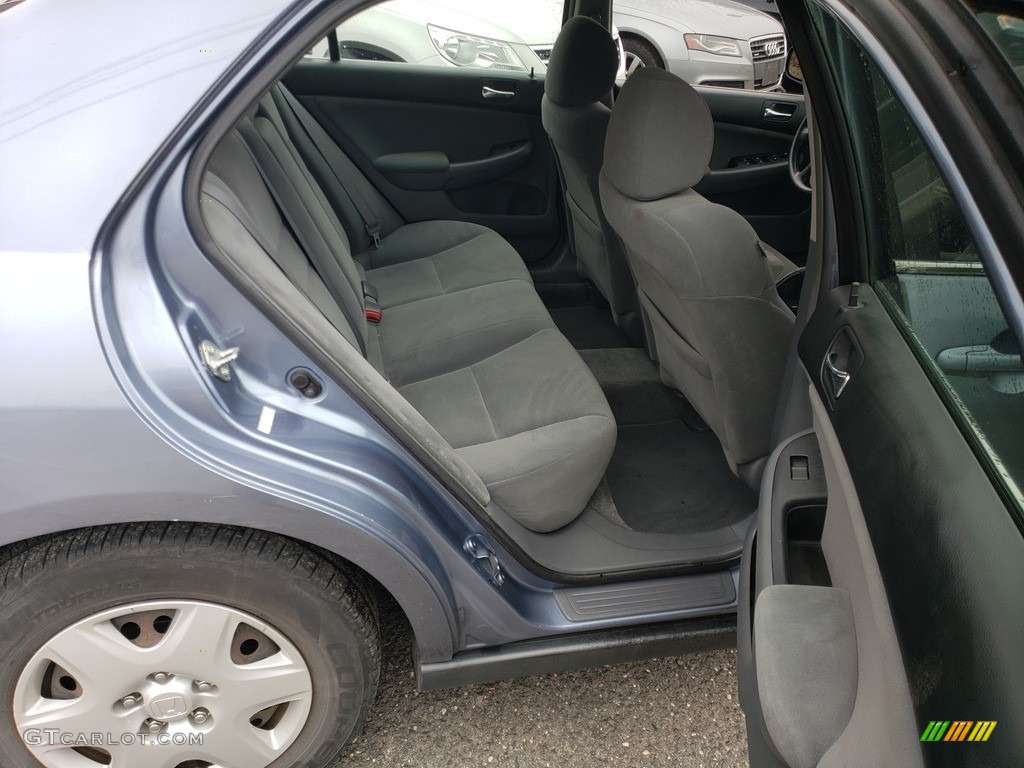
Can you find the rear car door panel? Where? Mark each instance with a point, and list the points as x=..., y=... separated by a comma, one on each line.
x=897, y=537
x=749, y=169
x=913, y=384
x=440, y=145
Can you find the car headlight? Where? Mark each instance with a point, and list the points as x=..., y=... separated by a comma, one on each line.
x=471, y=51
x=720, y=46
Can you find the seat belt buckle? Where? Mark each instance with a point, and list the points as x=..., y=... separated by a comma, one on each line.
x=374, y=314
x=373, y=230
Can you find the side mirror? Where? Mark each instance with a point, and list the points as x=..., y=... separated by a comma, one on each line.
x=793, y=67
x=1011, y=25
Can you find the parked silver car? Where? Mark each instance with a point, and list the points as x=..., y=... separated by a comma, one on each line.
x=453, y=33
x=705, y=42
x=499, y=36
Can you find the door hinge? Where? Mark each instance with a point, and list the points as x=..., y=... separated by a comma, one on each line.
x=218, y=360
x=485, y=558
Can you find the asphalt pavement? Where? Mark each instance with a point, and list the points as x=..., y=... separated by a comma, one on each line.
x=665, y=712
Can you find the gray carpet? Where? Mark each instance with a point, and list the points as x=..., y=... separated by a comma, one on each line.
x=665, y=478
x=632, y=384
x=588, y=327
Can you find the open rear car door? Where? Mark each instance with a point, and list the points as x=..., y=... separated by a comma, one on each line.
x=882, y=613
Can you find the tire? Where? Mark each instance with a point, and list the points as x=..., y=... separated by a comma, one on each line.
x=310, y=622
x=640, y=53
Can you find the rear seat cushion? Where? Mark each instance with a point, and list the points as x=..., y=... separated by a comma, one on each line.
x=427, y=338
x=532, y=421
x=436, y=257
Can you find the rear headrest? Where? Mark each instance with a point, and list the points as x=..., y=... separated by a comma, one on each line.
x=583, y=64
x=660, y=136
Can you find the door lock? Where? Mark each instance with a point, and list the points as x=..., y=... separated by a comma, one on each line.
x=218, y=360
x=485, y=558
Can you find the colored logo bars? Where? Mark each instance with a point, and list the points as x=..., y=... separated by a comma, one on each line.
x=958, y=730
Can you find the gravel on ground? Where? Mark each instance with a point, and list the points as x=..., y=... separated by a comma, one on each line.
x=680, y=712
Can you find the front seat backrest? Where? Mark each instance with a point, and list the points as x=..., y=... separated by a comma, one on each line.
x=581, y=72
x=721, y=333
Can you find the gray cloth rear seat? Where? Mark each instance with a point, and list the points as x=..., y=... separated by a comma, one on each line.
x=462, y=254
x=435, y=257
x=480, y=359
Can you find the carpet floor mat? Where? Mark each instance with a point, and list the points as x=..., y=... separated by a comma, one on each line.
x=588, y=327
x=666, y=478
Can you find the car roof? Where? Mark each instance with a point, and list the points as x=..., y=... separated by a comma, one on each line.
x=83, y=109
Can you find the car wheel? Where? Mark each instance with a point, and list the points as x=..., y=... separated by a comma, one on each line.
x=640, y=53
x=181, y=646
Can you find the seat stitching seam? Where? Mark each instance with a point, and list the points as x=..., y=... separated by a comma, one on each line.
x=549, y=426
x=560, y=460
x=459, y=245
x=370, y=255
x=463, y=290
x=479, y=362
x=450, y=339
x=483, y=400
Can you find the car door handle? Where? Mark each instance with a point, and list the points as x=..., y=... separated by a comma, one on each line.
x=842, y=361
x=778, y=112
x=978, y=360
x=495, y=93
x=838, y=378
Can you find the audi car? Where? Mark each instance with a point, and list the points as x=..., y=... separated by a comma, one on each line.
x=706, y=42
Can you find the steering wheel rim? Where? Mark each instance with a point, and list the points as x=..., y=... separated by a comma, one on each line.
x=800, y=158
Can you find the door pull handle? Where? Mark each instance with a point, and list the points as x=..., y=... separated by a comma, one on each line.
x=494, y=93
x=838, y=378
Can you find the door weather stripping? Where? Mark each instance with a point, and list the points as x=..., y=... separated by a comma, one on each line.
x=218, y=360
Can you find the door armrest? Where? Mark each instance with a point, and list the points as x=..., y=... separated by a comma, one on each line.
x=805, y=650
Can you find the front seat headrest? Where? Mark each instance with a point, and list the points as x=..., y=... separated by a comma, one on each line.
x=660, y=136
x=583, y=63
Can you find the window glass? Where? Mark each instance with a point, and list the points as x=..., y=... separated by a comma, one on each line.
x=1007, y=31
x=705, y=42
x=926, y=267
x=495, y=35
x=712, y=42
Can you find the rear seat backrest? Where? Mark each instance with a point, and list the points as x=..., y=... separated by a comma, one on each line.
x=315, y=225
x=327, y=177
x=244, y=217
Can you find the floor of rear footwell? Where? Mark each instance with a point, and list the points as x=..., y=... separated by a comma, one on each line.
x=668, y=473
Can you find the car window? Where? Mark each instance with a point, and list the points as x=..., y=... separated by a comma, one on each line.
x=495, y=35
x=717, y=43
x=1006, y=28
x=926, y=268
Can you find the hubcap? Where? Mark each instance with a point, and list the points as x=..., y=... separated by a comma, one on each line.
x=169, y=684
